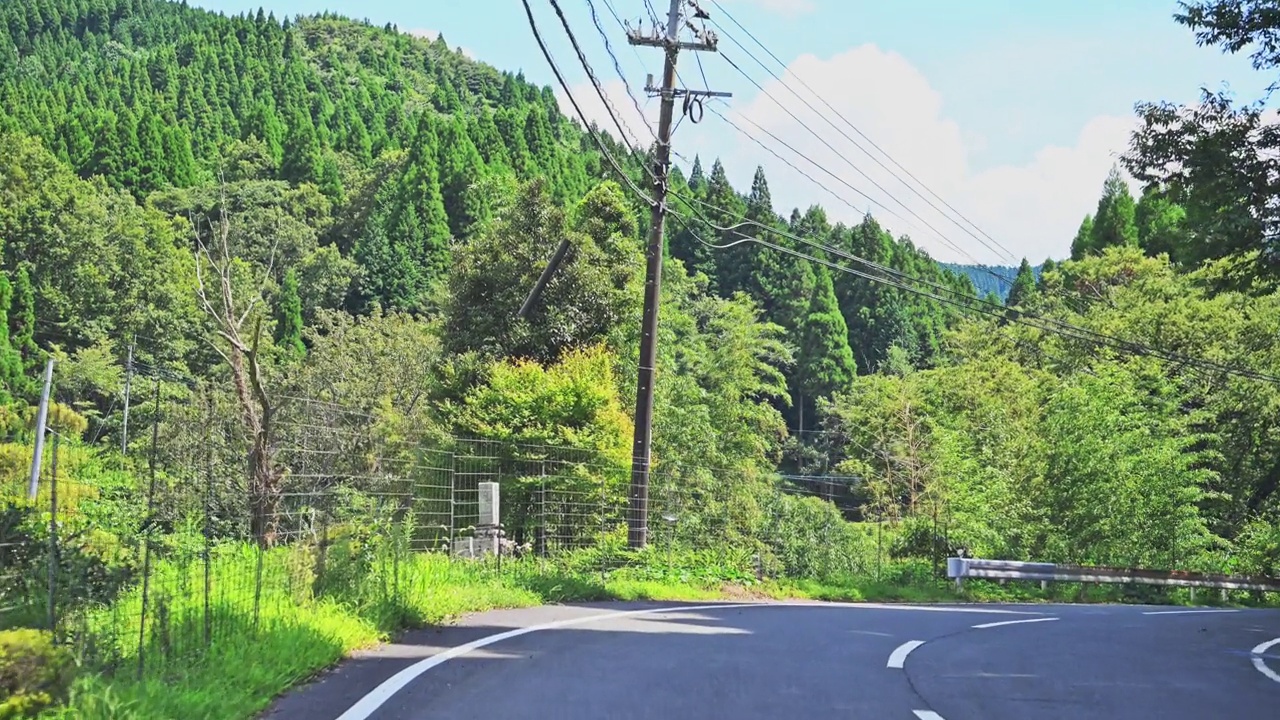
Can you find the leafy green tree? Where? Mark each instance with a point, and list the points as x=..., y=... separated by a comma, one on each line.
x=1127, y=483
x=1219, y=160
x=302, y=156
x=1049, y=265
x=595, y=288
x=1161, y=226
x=461, y=170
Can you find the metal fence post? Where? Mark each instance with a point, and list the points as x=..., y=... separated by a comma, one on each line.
x=53, y=541
x=146, y=537
x=208, y=521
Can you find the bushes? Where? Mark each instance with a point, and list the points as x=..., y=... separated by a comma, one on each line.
x=34, y=674
x=807, y=537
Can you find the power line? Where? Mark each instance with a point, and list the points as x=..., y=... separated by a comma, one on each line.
x=899, y=279
x=617, y=66
x=533, y=26
x=624, y=132
x=833, y=175
x=973, y=304
x=823, y=100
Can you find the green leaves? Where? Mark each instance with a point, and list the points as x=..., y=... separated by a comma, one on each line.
x=1024, y=285
x=595, y=289
x=289, y=317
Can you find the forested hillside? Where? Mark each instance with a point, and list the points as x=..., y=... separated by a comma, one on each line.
x=358, y=155
x=987, y=279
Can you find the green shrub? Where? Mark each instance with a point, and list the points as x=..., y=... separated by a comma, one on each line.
x=807, y=537
x=34, y=673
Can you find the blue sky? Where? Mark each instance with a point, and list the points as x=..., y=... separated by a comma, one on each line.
x=1010, y=110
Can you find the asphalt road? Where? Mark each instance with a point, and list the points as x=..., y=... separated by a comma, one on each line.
x=814, y=661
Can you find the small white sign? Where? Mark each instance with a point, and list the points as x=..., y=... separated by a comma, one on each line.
x=488, y=504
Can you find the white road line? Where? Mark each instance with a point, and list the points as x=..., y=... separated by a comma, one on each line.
x=1261, y=664
x=377, y=697
x=1187, y=612
x=927, y=715
x=898, y=658
x=1012, y=622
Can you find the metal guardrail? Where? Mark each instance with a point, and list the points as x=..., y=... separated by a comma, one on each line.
x=960, y=568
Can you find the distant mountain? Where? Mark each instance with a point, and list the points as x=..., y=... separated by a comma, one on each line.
x=989, y=278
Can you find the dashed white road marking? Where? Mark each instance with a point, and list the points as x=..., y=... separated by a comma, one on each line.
x=1012, y=622
x=1261, y=664
x=898, y=658
x=927, y=715
x=1187, y=612
x=367, y=705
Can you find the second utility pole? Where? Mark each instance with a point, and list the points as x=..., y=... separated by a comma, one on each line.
x=638, y=520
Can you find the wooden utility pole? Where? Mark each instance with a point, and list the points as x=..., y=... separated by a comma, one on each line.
x=128, y=384
x=638, y=520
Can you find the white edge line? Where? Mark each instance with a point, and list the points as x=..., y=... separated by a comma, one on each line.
x=1013, y=622
x=1261, y=664
x=368, y=704
x=1187, y=612
x=389, y=687
x=927, y=715
x=898, y=658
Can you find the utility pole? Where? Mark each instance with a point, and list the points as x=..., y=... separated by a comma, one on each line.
x=638, y=520
x=128, y=382
x=42, y=415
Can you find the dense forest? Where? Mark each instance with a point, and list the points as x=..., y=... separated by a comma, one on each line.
x=362, y=163
x=320, y=207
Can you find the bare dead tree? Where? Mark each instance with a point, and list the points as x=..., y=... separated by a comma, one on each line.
x=216, y=275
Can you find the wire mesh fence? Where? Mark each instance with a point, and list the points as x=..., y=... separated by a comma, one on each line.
x=192, y=541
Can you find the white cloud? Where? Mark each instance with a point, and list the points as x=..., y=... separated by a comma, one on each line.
x=1032, y=209
x=632, y=121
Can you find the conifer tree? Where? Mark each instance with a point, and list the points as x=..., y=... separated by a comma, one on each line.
x=1024, y=285
x=1115, y=222
x=1082, y=244
x=289, y=317
x=13, y=383
x=825, y=363
x=22, y=321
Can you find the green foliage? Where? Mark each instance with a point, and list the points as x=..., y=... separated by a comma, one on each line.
x=1083, y=241
x=289, y=317
x=593, y=291
x=807, y=537
x=1127, y=482
x=1024, y=285
x=572, y=404
x=825, y=361
x=22, y=321
x=13, y=381
x=1214, y=158
x=34, y=673
x=1161, y=226
x=1114, y=222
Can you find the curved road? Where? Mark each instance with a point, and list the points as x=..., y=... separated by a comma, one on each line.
x=815, y=661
